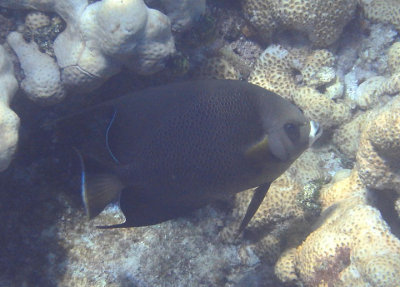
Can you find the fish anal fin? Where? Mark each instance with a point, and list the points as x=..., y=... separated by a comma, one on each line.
x=258, y=149
x=99, y=185
x=98, y=191
x=255, y=203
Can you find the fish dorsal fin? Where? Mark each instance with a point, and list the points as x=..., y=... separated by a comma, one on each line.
x=107, y=136
x=98, y=188
x=255, y=202
x=258, y=149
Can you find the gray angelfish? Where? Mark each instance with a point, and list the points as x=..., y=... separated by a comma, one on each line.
x=168, y=150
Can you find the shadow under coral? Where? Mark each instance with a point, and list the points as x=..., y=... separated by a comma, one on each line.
x=34, y=192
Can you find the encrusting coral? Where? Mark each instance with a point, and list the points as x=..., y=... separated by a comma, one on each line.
x=98, y=39
x=9, y=121
x=322, y=23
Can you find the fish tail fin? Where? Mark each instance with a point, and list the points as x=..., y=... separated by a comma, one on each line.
x=98, y=188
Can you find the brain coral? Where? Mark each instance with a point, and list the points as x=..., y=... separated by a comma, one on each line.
x=322, y=21
x=99, y=38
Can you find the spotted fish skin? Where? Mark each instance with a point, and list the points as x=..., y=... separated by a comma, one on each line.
x=178, y=147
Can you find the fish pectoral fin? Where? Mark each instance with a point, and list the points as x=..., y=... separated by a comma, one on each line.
x=98, y=189
x=255, y=202
x=258, y=149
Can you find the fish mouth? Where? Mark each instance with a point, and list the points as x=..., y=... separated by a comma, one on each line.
x=315, y=132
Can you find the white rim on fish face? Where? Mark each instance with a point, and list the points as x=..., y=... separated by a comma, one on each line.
x=315, y=132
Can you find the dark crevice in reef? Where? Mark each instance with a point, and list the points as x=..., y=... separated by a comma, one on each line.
x=384, y=201
x=34, y=192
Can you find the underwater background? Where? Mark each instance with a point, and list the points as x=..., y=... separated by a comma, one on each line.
x=332, y=219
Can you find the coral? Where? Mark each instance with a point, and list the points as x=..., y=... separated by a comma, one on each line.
x=339, y=252
x=320, y=108
x=9, y=121
x=390, y=86
x=322, y=23
x=385, y=11
x=42, y=82
x=42, y=29
x=347, y=136
x=279, y=204
x=282, y=216
x=217, y=68
x=393, y=56
x=309, y=167
x=285, y=267
x=378, y=155
x=181, y=13
x=101, y=37
x=345, y=184
x=299, y=75
x=308, y=198
x=397, y=206
x=318, y=68
x=36, y=19
x=367, y=95
x=274, y=71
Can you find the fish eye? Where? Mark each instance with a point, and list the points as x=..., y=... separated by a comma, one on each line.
x=292, y=131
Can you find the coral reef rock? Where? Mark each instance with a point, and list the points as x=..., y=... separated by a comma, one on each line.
x=182, y=13
x=299, y=75
x=339, y=252
x=378, y=155
x=9, y=121
x=322, y=23
x=98, y=39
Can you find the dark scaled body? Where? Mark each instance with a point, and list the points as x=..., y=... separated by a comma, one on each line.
x=169, y=150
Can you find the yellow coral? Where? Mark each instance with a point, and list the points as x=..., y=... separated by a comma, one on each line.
x=321, y=22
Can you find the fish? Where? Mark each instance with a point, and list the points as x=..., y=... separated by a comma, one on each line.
x=165, y=151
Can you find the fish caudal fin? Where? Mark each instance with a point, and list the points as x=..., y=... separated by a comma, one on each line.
x=98, y=189
x=255, y=202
